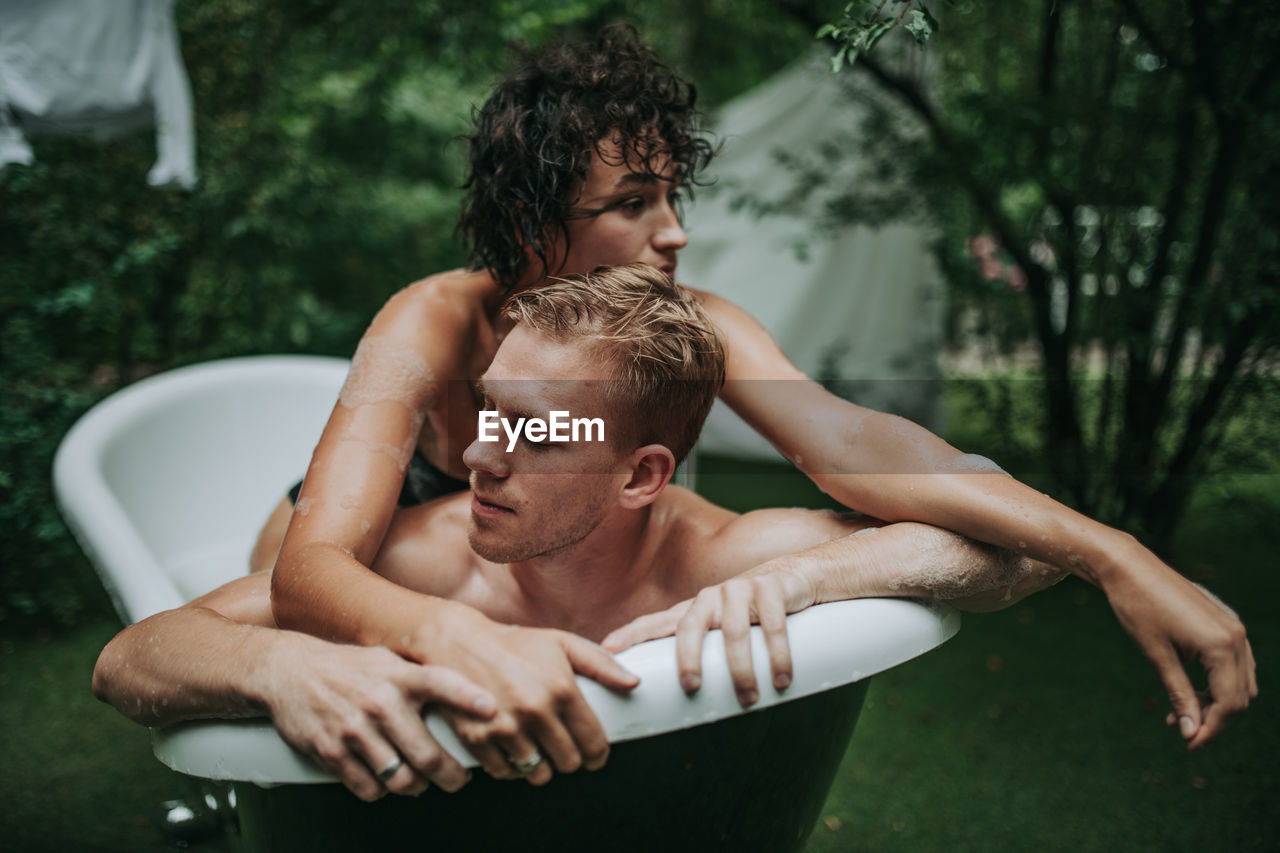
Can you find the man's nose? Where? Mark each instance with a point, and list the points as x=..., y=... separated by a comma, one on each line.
x=487, y=457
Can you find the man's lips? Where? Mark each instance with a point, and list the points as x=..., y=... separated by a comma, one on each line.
x=487, y=508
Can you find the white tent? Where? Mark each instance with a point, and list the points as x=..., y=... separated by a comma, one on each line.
x=862, y=309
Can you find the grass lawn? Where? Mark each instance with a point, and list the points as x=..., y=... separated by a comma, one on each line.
x=1041, y=727
x=77, y=776
x=1037, y=728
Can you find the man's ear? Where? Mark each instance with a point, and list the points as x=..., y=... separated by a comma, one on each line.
x=651, y=470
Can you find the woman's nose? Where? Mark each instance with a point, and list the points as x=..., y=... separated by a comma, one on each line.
x=670, y=233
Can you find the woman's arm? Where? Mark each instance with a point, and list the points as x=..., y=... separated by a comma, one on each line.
x=890, y=468
x=401, y=369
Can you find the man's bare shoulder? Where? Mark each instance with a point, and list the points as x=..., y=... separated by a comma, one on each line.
x=717, y=544
x=426, y=547
x=761, y=535
x=688, y=521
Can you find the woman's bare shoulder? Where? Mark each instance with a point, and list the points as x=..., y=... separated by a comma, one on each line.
x=750, y=351
x=439, y=317
x=456, y=295
x=714, y=303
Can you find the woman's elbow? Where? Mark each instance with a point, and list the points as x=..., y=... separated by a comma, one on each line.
x=283, y=596
x=107, y=674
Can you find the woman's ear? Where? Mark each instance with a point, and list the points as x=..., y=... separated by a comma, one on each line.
x=651, y=469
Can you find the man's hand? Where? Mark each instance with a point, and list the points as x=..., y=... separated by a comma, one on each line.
x=764, y=596
x=1173, y=620
x=543, y=721
x=358, y=712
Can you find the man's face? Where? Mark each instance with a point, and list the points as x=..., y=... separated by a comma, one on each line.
x=627, y=217
x=541, y=497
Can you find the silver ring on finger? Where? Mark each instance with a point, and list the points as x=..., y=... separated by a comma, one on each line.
x=390, y=770
x=528, y=765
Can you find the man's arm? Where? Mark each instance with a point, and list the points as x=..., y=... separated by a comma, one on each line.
x=905, y=560
x=892, y=469
x=351, y=709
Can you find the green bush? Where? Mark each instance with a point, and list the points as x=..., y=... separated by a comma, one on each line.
x=330, y=163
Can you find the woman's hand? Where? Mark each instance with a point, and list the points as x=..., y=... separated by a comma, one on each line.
x=1173, y=620
x=543, y=722
x=763, y=596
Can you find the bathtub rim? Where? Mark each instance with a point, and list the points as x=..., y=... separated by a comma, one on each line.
x=833, y=644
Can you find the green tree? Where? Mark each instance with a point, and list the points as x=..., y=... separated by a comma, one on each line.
x=1118, y=163
x=330, y=162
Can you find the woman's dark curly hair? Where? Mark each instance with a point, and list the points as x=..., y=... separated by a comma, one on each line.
x=538, y=131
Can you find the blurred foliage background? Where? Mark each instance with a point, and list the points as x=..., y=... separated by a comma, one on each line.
x=1102, y=179
x=330, y=159
x=1100, y=174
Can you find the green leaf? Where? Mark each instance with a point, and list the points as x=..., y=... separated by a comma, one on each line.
x=838, y=59
x=825, y=30
x=919, y=26
x=875, y=33
x=928, y=16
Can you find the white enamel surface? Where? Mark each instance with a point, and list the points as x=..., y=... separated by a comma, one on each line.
x=832, y=644
x=166, y=483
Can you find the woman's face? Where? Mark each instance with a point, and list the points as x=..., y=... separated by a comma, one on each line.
x=625, y=217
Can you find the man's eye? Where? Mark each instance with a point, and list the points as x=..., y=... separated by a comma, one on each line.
x=632, y=205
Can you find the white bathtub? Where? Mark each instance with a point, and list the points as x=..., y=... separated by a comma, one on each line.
x=166, y=483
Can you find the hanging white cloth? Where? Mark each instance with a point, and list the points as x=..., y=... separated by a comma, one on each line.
x=102, y=68
x=860, y=309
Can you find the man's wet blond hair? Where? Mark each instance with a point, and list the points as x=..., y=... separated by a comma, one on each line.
x=666, y=356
